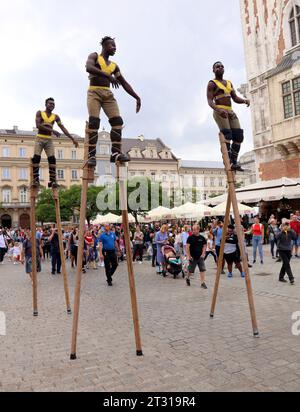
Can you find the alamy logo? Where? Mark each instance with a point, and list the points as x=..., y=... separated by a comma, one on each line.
x=2, y=324
x=296, y=325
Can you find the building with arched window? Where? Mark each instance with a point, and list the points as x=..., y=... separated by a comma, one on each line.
x=272, y=44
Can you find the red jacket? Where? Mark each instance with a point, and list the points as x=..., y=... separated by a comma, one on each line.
x=296, y=227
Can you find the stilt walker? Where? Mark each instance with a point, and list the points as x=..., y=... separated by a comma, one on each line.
x=220, y=93
x=45, y=121
x=103, y=74
x=232, y=200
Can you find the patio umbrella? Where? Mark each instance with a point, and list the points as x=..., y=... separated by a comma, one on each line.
x=192, y=211
x=220, y=210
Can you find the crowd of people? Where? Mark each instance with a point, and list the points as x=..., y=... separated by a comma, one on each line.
x=165, y=245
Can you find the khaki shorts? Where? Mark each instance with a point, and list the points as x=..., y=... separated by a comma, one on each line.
x=97, y=99
x=232, y=121
x=44, y=144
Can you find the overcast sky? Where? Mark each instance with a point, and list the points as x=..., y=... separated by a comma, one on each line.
x=165, y=50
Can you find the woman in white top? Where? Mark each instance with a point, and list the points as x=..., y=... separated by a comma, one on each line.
x=184, y=236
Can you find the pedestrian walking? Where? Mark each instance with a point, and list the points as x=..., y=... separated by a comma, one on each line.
x=109, y=253
x=258, y=239
x=285, y=241
x=196, y=251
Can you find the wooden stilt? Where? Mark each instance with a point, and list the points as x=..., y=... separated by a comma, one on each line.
x=122, y=173
x=240, y=233
x=33, y=197
x=87, y=174
x=221, y=256
x=61, y=248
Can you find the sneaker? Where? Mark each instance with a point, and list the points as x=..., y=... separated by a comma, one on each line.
x=53, y=273
x=230, y=275
x=254, y=261
x=250, y=266
x=188, y=282
x=109, y=282
x=261, y=262
x=278, y=260
x=203, y=286
x=292, y=282
x=83, y=271
x=283, y=281
x=223, y=272
x=243, y=275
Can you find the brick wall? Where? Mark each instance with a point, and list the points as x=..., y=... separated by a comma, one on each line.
x=280, y=168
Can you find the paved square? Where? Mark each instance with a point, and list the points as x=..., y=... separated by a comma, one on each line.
x=184, y=349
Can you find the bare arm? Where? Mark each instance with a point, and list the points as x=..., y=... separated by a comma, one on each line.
x=40, y=123
x=91, y=67
x=188, y=251
x=238, y=99
x=66, y=132
x=126, y=86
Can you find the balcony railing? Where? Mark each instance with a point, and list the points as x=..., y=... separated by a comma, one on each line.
x=14, y=205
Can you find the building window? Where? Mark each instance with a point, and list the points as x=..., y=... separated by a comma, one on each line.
x=295, y=25
x=60, y=154
x=23, y=195
x=60, y=174
x=221, y=182
x=6, y=196
x=22, y=152
x=41, y=174
x=153, y=177
x=23, y=174
x=291, y=98
x=296, y=90
x=212, y=182
x=164, y=178
x=6, y=152
x=74, y=175
x=74, y=155
x=6, y=174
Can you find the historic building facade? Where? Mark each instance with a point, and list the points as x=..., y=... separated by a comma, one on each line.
x=16, y=150
x=271, y=31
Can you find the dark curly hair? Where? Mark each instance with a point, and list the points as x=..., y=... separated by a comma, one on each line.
x=105, y=39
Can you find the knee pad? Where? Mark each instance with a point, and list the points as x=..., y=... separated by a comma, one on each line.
x=52, y=161
x=36, y=160
x=227, y=134
x=238, y=136
x=94, y=123
x=116, y=135
x=116, y=121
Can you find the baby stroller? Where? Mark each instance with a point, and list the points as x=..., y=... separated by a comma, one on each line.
x=173, y=262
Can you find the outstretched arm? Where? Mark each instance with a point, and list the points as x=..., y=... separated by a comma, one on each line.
x=238, y=99
x=91, y=68
x=126, y=86
x=65, y=131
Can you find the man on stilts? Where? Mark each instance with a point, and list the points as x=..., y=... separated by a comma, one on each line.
x=219, y=95
x=103, y=74
x=45, y=121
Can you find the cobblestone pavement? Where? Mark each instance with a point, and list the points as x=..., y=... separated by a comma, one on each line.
x=184, y=349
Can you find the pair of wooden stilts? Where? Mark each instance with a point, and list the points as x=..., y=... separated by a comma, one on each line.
x=88, y=177
x=33, y=198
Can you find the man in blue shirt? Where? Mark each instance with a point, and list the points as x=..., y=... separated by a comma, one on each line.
x=108, y=252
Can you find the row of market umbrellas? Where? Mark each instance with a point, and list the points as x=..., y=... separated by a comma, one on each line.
x=188, y=211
